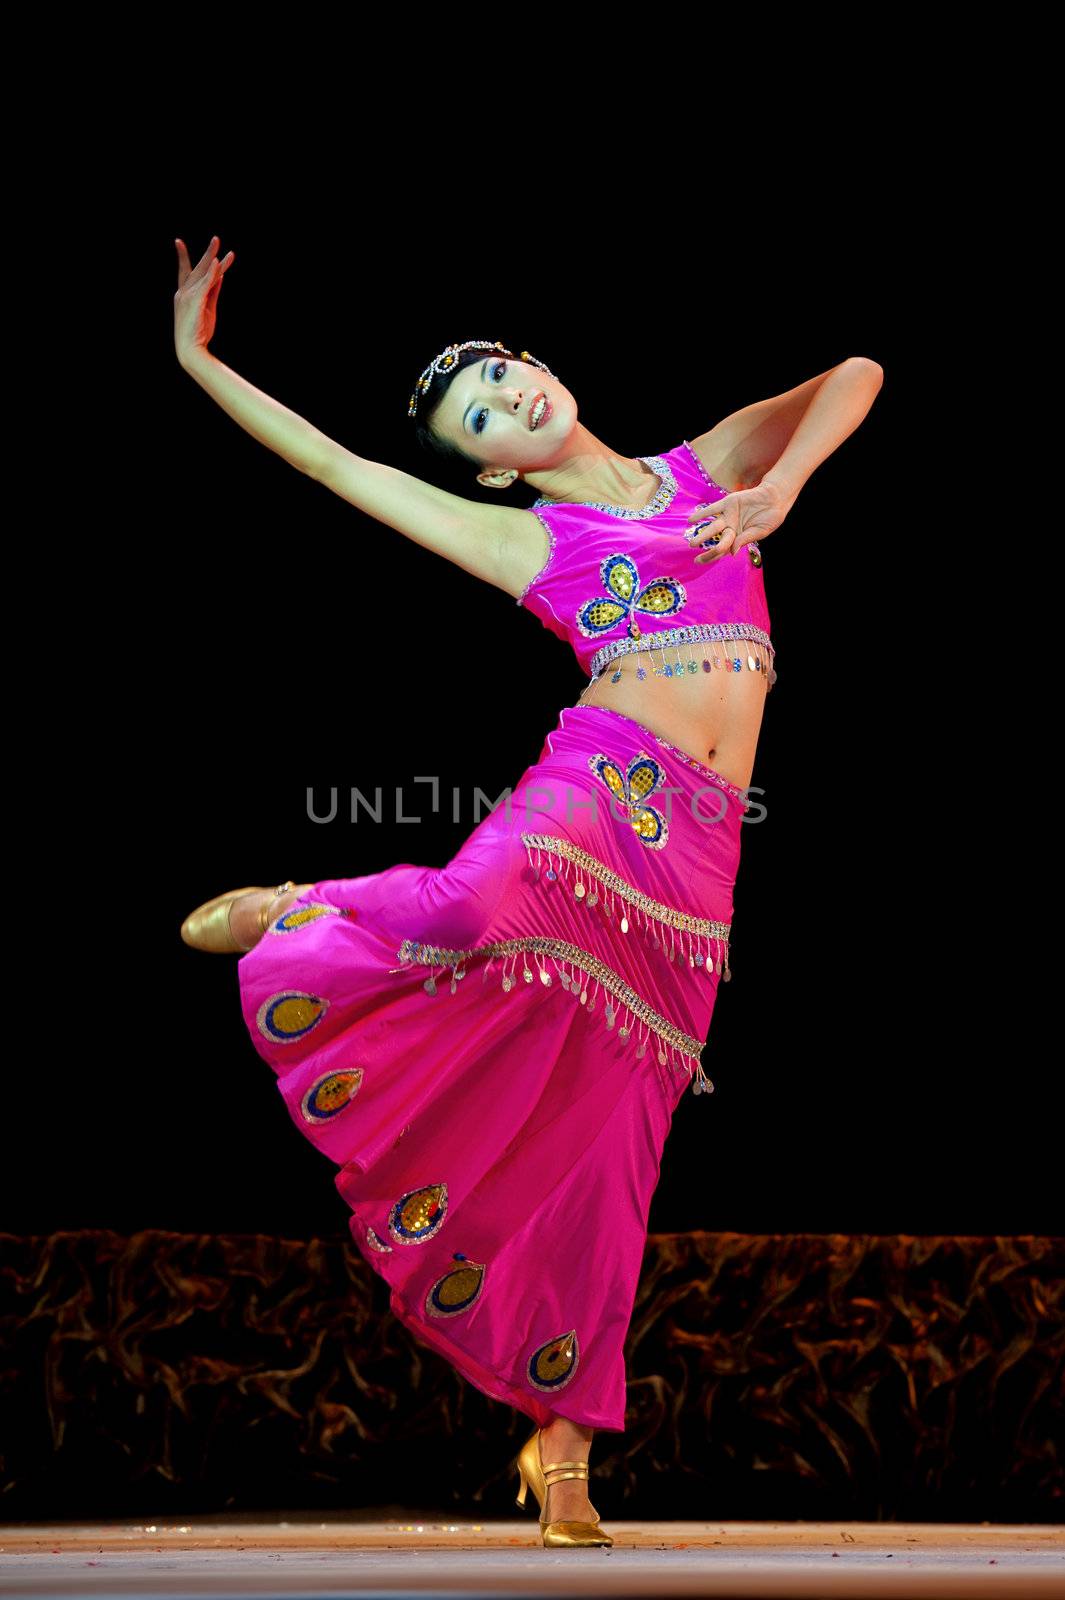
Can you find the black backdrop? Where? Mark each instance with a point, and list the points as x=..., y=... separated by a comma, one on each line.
x=234, y=635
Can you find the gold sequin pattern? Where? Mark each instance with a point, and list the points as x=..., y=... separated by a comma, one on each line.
x=553, y=1365
x=288, y=1016
x=418, y=1214
x=457, y=1290
x=411, y=951
x=331, y=1093
x=302, y=916
x=613, y=880
x=659, y=600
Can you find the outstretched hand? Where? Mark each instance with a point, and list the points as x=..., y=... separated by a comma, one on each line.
x=740, y=518
x=197, y=298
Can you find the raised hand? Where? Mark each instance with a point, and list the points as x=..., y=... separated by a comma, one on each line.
x=197, y=298
x=738, y=519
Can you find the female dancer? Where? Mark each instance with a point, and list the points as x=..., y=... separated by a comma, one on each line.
x=491, y=1052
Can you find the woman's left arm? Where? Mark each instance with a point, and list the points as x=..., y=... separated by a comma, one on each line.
x=837, y=405
x=840, y=403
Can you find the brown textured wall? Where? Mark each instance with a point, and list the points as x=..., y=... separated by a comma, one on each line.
x=769, y=1376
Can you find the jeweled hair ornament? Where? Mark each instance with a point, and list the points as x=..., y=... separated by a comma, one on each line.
x=449, y=356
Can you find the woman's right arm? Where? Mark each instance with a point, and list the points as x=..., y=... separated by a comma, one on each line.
x=495, y=543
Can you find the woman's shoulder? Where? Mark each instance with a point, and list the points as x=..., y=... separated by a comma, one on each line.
x=526, y=547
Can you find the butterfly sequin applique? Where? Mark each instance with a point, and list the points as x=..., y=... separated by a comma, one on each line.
x=632, y=787
x=662, y=597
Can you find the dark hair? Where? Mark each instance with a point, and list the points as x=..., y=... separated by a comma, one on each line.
x=450, y=455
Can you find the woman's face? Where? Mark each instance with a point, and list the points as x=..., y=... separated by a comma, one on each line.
x=490, y=408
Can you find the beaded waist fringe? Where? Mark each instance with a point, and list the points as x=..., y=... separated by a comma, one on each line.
x=712, y=638
x=702, y=941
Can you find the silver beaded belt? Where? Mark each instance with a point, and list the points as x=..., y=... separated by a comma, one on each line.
x=699, y=633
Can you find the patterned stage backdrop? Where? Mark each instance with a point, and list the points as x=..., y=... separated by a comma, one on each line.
x=777, y=1376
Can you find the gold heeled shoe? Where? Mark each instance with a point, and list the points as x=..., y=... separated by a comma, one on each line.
x=533, y=1470
x=207, y=928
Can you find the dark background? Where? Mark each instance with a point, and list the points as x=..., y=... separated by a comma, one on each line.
x=235, y=634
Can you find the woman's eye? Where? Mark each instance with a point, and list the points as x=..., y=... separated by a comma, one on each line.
x=497, y=372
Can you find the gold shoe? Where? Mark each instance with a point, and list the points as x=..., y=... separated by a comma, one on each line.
x=207, y=928
x=532, y=1470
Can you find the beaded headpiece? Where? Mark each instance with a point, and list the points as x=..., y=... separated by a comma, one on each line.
x=449, y=356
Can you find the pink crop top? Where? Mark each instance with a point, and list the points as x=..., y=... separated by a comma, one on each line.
x=610, y=584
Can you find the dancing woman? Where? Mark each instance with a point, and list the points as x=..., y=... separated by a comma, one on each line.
x=491, y=1052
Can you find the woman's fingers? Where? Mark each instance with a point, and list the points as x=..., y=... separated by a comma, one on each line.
x=201, y=267
x=713, y=506
x=704, y=532
x=206, y=268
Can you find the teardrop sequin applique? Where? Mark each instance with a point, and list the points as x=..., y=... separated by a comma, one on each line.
x=418, y=1214
x=631, y=787
x=301, y=916
x=290, y=1015
x=662, y=597
x=457, y=1290
x=330, y=1094
x=554, y=1363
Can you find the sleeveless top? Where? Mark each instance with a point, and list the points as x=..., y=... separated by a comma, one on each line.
x=620, y=583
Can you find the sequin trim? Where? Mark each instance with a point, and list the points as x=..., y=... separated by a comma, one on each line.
x=720, y=487
x=656, y=909
x=691, y=633
x=662, y=498
x=559, y=950
x=550, y=555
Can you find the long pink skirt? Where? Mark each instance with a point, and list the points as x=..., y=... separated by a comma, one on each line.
x=491, y=1052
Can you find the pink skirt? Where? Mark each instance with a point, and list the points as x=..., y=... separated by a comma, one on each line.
x=491, y=1052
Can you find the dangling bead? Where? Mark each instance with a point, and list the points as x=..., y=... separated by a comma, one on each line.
x=702, y=1084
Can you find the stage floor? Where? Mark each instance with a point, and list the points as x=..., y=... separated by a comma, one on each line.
x=299, y=1557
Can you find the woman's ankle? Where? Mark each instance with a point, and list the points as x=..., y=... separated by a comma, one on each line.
x=247, y=914
x=572, y=1439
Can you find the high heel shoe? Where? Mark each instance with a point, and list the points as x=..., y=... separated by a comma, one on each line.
x=533, y=1470
x=207, y=928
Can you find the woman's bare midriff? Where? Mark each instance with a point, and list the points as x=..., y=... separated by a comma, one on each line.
x=715, y=718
